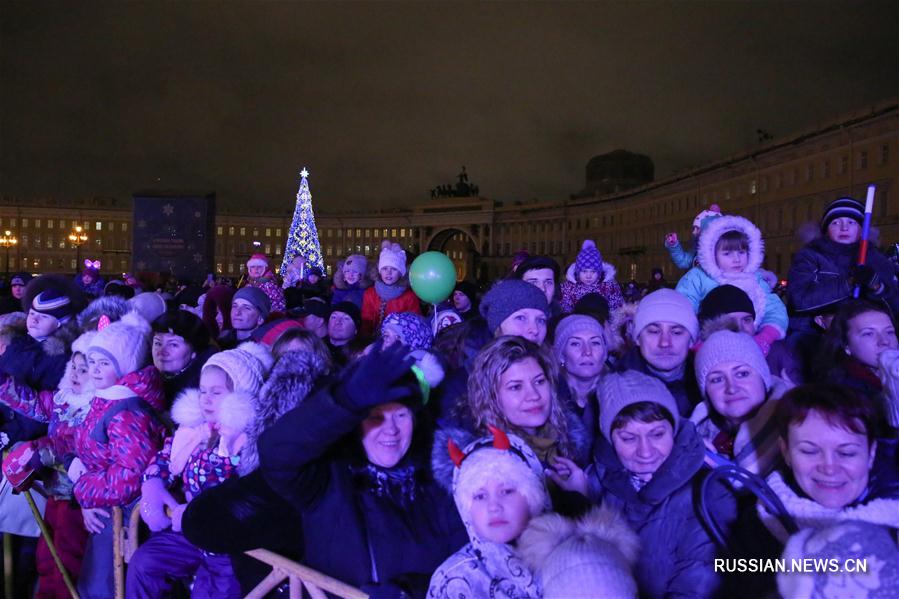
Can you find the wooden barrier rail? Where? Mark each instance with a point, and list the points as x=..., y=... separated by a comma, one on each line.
x=315, y=583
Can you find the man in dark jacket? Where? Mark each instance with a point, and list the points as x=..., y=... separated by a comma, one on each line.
x=665, y=328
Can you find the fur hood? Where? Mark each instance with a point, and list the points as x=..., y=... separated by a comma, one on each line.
x=367, y=280
x=289, y=383
x=112, y=306
x=60, y=342
x=608, y=273
x=713, y=232
x=808, y=513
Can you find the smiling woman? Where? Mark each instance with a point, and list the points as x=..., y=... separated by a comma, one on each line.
x=835, y=468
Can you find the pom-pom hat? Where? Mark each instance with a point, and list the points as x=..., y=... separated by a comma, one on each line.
x=392, y=255
x=588, y=258
x=125, y=343
x=246, y=366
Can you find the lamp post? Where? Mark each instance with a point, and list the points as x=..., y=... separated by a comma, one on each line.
x=8, y=240
x=77, y=238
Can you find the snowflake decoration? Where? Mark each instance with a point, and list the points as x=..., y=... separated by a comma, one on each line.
x=168, y=210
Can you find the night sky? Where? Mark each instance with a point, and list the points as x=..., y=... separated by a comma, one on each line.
x=384, y=101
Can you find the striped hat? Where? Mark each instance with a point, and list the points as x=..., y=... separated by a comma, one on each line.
x=53, y=302
x=844, y=207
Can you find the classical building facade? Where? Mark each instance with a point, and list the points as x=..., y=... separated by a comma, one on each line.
x=780, y=186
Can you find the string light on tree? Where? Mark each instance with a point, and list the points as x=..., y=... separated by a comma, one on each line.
x=302, y=239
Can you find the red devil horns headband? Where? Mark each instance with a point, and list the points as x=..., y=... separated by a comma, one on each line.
x=500, y=441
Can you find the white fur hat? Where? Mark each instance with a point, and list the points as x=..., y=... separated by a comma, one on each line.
x=392, y=255
x=247, y=366
x=126, y=343
x=487, y=459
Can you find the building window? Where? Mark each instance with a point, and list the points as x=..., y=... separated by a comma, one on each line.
x=98, y=226
x=218, y=230
x=243, y=231
x=62, y=243
x=402, y=232
x=268, y=248
x=230, y=230
x=62, y=224
x=37, y=223
x=268, y=231
x=763, y=185
x=277, y=232
x=255, y=232
x=49, y=242
x=12, y=222
x=24, y=222
x=358, y=233
x=884, y=154
x=277, y=250
x=124, y=227
x=863, y=159
x=809, y=172
x=111, y=226
x=844, y=164
x=99, y=242
x=329, y=251
x=218, y=267
x=349, y=233
x=753, y=187
x=230, y=268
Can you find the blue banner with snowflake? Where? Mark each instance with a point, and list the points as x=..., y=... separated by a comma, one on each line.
x=174, y=234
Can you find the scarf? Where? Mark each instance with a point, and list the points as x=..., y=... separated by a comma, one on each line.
x=545, y=443
x=389, y=292
x=397, y=484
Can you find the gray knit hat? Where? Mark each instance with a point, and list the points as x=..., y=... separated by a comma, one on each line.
x=728, y=346
x=572, y=325
x=255, y=296
x=508, y=296
x=618, y=391
x=666, y=305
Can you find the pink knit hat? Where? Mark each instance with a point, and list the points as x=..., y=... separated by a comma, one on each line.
x=257, y=260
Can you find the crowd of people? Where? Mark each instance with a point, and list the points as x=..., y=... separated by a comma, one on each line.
x=549, y=435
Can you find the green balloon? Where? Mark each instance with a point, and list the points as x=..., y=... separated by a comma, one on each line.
x=432, y=277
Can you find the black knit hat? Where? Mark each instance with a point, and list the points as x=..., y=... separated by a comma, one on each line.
x=537, y=263
x=350, y=309
x=724, y=299
x=595, y=305
x=844, y=207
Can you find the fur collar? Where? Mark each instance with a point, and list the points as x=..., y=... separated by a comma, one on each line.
x=608, y=274
x=713, y=232
x=810, y=514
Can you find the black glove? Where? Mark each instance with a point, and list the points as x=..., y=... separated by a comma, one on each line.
x=866, y=277
x=373, y=380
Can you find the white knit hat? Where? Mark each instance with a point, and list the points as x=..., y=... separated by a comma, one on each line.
x=126, y=343
x=392, y=255
x=247, y=366
x=483, y=461
x=666, y=305
x=148, y=305
x=728, y=346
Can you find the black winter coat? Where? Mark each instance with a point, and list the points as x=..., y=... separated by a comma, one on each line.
x=361, y=524
x=685, y=390
x=677, y=555
x=819, y=276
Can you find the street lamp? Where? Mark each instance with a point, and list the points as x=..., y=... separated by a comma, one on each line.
x=77, y=238
x=8, y=240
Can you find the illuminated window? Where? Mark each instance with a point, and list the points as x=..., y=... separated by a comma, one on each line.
x=230, y=230
x=277, y=232
x=99, y=242
x=62, y=243
x=349, y=233
x=329, y=251
x=753, y=187
x=98, y=226
x=12, y=222
x=111, y=226
x=218, y=266
x=268, y=232
x=218, y=230
x=268, y=248
x=255, y=232
x=37, y=262
x=49, y=243
x=24, y=222
x=230, y=268
x=124, y=227
x=358, y=233
x=377, y=233
x=277, y=250
x=37, y=223
x=243, y=231
x=62, y=224
x=402, y=232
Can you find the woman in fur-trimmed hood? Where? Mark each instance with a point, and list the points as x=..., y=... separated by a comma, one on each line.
x=214, y=424
x=351, y=278
x=734, y=237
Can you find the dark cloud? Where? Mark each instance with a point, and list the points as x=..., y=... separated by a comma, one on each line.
x=382, y=101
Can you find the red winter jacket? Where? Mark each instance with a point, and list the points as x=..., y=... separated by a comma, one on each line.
x=119, y=438
x=374, y=309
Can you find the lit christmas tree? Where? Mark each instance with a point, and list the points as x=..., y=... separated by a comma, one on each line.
x=302, y=240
